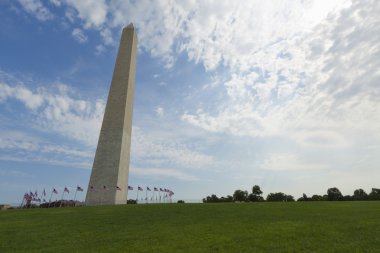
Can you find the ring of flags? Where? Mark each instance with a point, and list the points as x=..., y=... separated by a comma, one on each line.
x=31, y=197
x=163, y=194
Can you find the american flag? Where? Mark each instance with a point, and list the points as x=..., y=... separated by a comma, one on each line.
x=161, y=190
x=55, y=191
x=79, y=189
x=66, y=190
x=155, y=189
x=118, y=188
x=130, y=187
x=147, y=188
x=35, y=193
x=44, y=192
x=140, y=189
x=171, y=193
x=27, y=197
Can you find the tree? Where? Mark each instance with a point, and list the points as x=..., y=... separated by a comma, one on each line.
x=256, y=190
x=347, y=198
x=226, y=199
x=303, y=198
x=360, y=194
x=316, y=198
x=375, y=194
x=256, y=194
x=279, y=196
x=240, y=195
x=255, y=198
x=214, y=199
x=289, y=198
x=334, y=194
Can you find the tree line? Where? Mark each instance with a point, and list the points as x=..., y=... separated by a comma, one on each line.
x=333, y=194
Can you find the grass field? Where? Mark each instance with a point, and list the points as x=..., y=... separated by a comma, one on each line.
x=245, y=227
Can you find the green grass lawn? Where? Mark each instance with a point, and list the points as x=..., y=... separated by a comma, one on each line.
x=245, y=227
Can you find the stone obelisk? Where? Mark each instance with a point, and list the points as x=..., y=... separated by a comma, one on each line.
x=109, y=177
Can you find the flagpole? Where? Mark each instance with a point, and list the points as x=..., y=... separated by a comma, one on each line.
x=50, y=198
x=31, y=199
x=75, y=196
x=22, y=201
x=62, y=197
x=137, y=194
x=43, y=195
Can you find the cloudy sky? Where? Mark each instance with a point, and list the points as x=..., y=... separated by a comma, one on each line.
x=283, y=94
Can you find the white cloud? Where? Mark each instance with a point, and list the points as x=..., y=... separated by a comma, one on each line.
x=161, y=172
x=159, y=111
x=317, y=138
x=46, y=160
x=14, y=173
x=211, y=33
x=36, y=8
x=17, y=140
x=21, y=93
x=289, y=162
x=329, y=93
x=161, y=151
x=100, y=49
x=107, y=36
x=5, y=92
x=92, y=12
x=56, y=2
x=73, y=118
x=58, y=111
x=21, y=146
x=79, y=35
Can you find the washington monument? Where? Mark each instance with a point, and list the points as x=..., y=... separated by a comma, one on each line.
x=109, y=177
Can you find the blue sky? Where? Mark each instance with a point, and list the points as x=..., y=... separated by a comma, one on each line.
x=285, y=94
